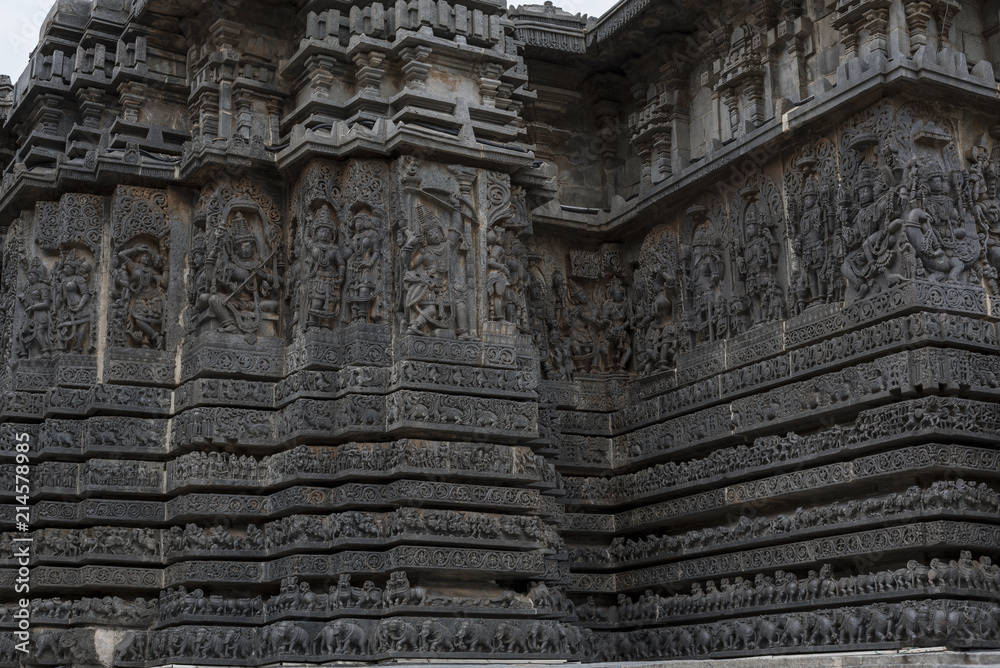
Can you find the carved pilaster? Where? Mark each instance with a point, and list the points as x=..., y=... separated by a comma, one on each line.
x=868, y=18
x=416, y=68
x=918, y=15
x=370, y=70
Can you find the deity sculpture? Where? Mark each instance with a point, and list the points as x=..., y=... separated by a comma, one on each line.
x=982, y=193
x=434, y=300
x=615, y=346
x=756, y=260
x=324, y=272
x=73, y=308
x=811, y=241
x=942, y=235
x=656, y=333
x=582, y=320
x=364, y=266
x=240, y=295
x=37, y=303
x=559, y=365
x=705, y=269
x=878, y=258
x=498, y=274
x=140, y=287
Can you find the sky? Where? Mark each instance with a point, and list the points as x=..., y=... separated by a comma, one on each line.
x=21, y=20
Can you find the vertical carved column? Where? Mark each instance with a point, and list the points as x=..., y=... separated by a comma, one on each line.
x=918, y=15
x=876, y=22
x=319, y=74
x=489, y=83
x=370, y=70
x=868, y=18
x=945, y=12
x=132, y=96
x=415, y=65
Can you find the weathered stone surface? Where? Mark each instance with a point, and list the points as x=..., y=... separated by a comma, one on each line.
x=456, y=331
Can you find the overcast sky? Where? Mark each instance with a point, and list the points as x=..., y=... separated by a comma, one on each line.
x=21, y=20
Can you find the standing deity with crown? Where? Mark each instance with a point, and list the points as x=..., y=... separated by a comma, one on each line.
x=364, y=264
x=942, y=234
x=241, y=293
x=810, y=243
x=324, y=269
x=615, y=338
x=705, y=268
x=433, y=303
x=757, y=259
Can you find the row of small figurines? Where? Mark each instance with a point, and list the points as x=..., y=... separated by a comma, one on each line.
x=786, y=589
x=941, y=495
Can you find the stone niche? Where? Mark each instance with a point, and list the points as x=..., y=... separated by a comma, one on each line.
x=357, y=332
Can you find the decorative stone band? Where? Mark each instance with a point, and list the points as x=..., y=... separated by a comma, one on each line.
x=882, y=542
x=295, y=499
x=830, y=395
x=958, y=459
x=288, y=534
x=929, y=504
x=801, y=337
x=785, y=593
x=927, y=623
x=356, y=640
x=883, y=338
x=411, y=558
x=927, y=417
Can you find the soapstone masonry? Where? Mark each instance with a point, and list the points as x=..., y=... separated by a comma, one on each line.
x=370, y=331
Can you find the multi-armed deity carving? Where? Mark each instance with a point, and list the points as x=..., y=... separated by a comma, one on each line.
x=916, y=212
x=590, y=319
x=705, y=313
x=73, y=302
x=140, y=275
x=365, y=250
x=337, y=274
x=816, y=275
x=434, y=243
x=868, y=242
x=984, y=171
x=756, y=253
x=656, y=284
x=58, y=304
x=236, y=290
x=324, y=268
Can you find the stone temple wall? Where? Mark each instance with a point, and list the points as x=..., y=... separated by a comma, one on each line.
x=360, y=331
